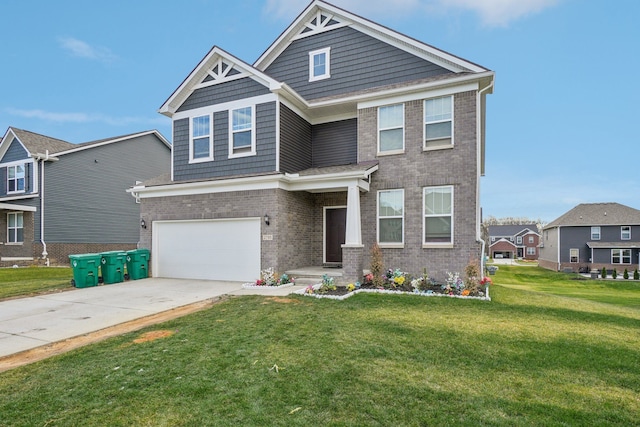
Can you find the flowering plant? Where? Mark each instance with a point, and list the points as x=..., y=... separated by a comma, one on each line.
x=395, y=278
x=351, y=287
x=309, y=289
x=454, y=284
x=328, y=284
x=486, y=281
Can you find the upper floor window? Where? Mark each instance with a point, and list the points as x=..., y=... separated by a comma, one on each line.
x=438, y=118
x=15, y=230
x=519, y=240
x=625, y=232
x=531, y=239
x=242, y=140
x=201, y=144
x=438, y=215
x=15, y=179
x=391, y=217
x=595, y=233
x=319, y=64
x=391, y=129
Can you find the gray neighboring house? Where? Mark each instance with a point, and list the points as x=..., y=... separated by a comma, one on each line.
x=59, y=198
x=343, y=133
x=592, y=236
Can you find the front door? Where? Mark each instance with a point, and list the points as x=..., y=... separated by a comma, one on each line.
x=335, y=224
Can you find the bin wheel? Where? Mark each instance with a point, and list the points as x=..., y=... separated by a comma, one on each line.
x=73, y=282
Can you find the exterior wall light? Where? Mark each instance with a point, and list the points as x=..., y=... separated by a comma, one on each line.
x=143, y=224
x=266, y=219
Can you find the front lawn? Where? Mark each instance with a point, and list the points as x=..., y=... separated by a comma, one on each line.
x=528, y=357
x=26, y=281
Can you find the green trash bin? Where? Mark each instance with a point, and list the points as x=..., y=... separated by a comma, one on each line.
x=113, y=266
x=138, y=264
x=85, y=269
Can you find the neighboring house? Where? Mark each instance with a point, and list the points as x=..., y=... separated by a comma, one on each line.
x=592, y=236
x=514, y=241
x=342, y=134
x=58, y=198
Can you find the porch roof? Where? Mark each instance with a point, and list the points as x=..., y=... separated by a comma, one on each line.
x=613, y=245
x=14, y=207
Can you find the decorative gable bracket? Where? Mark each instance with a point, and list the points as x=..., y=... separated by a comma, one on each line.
x=320, y=23
x=222, y=71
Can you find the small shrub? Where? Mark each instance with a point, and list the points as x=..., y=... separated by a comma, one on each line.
x=614, y=274
x=472, y=271
x=603, y=274
x=377, y=265
x=636, y=275
x=328, y=284
x=625, y=275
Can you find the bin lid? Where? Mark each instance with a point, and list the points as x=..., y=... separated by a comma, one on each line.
x=84, y=256
x=113, y=253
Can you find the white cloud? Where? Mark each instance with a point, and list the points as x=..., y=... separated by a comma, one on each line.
x=56, y=117
x=491, y=12
x=82, y=49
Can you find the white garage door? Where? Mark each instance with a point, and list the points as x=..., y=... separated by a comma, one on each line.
x=210, y=250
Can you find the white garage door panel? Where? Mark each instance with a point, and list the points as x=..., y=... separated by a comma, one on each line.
x=210, y=250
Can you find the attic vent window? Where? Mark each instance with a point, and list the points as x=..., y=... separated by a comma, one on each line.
x=319, y=64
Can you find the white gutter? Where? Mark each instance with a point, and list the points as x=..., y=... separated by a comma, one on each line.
x=479, y=238
x=44, y=158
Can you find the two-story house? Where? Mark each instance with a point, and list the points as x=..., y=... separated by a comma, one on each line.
x=342, y=133
x=514, y=241
x=592, y=236
x=59, y=198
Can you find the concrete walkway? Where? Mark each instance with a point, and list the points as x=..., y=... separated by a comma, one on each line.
x=28, y=323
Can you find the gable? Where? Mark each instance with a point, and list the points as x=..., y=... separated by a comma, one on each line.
x=357, y=61
x=14, y=151
x=223, y=92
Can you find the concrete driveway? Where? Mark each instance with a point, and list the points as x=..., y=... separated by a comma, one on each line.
x=29, y=323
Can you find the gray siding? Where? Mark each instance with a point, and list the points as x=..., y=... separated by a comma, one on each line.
x=295, y=142
x=224, y=92
x=578, y=237
x=263, y=161
x=335, y=143
x=14, y=152
x=85, y=193
x=357, y=62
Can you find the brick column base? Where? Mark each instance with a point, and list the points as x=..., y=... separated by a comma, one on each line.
x=352, y=262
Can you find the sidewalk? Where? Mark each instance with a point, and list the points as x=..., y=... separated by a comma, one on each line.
x=29, y=323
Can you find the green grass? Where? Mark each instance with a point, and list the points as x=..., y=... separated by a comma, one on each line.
x=26, y=281
x=529, y=357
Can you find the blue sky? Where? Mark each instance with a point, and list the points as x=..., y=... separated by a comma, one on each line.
x=560, y=124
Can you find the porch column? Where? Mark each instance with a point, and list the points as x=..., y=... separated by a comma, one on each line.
x=353, y=234
x=352, y=250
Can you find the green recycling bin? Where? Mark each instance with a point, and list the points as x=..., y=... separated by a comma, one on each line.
x=113, y=266
x=85, y=269
x=138, y=264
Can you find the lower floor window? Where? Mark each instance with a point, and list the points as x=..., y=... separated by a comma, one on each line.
x=438, y=214
x=15, y=230
x=391, y=216
x=574, y=255
x=531, y=251
x=620, y=256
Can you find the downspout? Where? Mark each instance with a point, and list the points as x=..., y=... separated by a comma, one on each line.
x=44, y=244
x=479, y=238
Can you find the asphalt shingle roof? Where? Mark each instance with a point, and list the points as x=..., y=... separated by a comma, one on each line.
x=594, y=214
x=36, y=143
x=510, y=230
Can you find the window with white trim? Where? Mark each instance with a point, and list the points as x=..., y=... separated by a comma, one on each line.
x=201, y=141
x=531, y=239
x=391, y=217
x=519, y=240
x=319, y=64
x=391, y=129
x=620, y=256
x=242, y=138
x=574, y=255
x=531, y=250
x=15, y=227
x=15, y=179
x=595, y=233
x=625, y=232
x=438, y=119
x=438, y=215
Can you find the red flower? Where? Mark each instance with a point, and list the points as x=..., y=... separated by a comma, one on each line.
x=486, y=281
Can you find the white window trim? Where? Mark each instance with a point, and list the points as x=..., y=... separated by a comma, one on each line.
x=391, y=152
x=594, y=232
x=378, y=217
x=622, y=233
x=621, y=257
x=209, y=158
x=15, y=228
x=424, y=124
x=449, y=244
x=531, y=239
x=24, y=169
x=519, y=240
x=577, y=256
x=327, y=73
x=251, y=152
x=531, y=250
